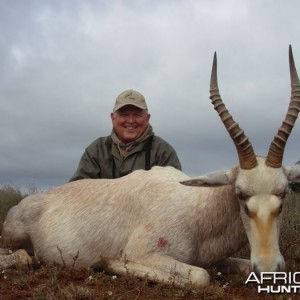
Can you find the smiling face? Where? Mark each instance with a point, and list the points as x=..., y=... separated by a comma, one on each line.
x=130, y=123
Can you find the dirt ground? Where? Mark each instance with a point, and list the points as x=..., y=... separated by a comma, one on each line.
x=53, y=282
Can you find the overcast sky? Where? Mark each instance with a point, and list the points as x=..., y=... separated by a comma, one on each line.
x=62, y=64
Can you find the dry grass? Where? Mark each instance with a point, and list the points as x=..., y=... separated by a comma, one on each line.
x=57, y=282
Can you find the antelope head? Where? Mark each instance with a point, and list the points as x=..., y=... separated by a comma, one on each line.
x=260, y=183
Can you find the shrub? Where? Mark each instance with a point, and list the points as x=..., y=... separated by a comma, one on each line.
x=290, y=232
x=9, y=197
x=295, y=186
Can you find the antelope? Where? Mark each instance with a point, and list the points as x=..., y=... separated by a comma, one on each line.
x=161, y=224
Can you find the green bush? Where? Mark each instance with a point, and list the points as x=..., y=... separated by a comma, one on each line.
x=295, y=187
x=9, y=197
x=290, y=232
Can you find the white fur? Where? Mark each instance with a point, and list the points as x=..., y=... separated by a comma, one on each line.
x=149, y=223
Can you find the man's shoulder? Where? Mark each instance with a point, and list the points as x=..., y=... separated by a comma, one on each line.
x=160, y=142
x=100, y=141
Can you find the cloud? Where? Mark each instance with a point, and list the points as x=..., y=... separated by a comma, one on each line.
x=63, y=63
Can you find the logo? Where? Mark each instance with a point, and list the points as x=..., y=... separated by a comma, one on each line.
x=275, y=282
x=129, y=95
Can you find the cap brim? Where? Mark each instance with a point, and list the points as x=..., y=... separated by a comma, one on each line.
x=117, y=107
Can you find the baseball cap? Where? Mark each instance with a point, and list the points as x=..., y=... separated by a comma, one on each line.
x=130, y=97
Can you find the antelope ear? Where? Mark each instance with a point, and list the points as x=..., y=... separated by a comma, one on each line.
x=293, y=173
x=219, y=178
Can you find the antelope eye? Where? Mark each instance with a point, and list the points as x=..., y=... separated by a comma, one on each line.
x=277, y=211
x=281, y=195
x=243, y=196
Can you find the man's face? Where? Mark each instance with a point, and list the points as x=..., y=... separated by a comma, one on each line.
x=130, y=123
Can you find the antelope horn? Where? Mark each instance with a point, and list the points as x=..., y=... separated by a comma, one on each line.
x=243, y=146
x=276, y=150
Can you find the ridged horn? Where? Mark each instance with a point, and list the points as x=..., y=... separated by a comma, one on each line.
x=276, y=150
x=243, y=146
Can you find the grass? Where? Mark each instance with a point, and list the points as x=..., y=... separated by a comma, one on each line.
x=59, y=282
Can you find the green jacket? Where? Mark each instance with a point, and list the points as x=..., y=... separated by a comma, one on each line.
x=101, y=160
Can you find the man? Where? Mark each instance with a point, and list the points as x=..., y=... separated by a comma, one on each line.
x=132, y=144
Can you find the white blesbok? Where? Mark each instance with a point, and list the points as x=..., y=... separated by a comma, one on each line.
x=160, y=223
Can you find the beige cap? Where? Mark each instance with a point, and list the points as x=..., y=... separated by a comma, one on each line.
x=130, y=97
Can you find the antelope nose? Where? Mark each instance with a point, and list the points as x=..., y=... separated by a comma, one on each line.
x=255, y=269
x=279, y=266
